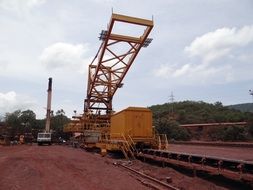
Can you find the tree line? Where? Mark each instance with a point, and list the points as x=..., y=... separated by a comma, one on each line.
x=168, y=117
x=25, y=122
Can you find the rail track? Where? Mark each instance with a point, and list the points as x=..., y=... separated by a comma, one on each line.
x=155, y=183
x=238, y=170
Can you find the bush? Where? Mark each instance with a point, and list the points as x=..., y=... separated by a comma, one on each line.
x=173, y=130
x=233, y=133
x=180, y=133
x=250, y=126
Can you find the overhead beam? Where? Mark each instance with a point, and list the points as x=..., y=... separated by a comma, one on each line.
x=132, y=20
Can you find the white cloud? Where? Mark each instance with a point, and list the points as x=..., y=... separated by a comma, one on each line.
x=220, y=52
x=246, y=58
x=182, y=71
x=164, y=71
x=3, y=64
x=12, y=101
x=19, y=5
x=195, y=73
x=214, y=45
x=66, y=56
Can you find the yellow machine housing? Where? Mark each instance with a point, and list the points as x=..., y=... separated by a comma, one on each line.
x=135, y=122
x=130, y=129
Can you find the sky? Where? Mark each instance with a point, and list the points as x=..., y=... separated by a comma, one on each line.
x=201, y=51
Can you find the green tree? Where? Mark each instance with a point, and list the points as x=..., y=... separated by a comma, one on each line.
x=232, y=133
x=20, y=122
x=28, y=120
x=250, y=126
x=58, y=121
x=173, y=130
x=235, y=133
x=188, y=112
x=12, y=120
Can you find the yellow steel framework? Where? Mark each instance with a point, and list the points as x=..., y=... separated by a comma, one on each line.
x=107, y=70
x=110, y=66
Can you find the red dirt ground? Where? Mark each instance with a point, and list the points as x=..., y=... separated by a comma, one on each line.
x=61, y=167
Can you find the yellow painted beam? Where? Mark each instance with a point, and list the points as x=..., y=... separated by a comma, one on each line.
x=133, y=20
x=125, y=38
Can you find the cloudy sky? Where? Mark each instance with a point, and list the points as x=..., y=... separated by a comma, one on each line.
x=202, y=51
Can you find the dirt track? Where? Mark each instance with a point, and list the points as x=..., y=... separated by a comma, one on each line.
x=60, y=167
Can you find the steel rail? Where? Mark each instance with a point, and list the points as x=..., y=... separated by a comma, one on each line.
x=150, y=178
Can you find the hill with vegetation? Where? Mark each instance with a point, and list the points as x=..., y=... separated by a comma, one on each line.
x=246, y=107
x=168, y=117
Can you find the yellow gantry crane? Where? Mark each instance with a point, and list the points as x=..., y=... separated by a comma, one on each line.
x=115, y=56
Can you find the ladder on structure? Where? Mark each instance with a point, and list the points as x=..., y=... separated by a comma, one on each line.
x=128, y=147
x=163, y=143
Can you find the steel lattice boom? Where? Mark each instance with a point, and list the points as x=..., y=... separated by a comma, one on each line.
x=114, y=58
x=116, y=54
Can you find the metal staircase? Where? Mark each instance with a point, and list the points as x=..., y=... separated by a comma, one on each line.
x=128, y=147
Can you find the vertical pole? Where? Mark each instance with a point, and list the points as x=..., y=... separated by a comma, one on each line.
x=172, y=104
x=49, y=98
x=109, y=108
x=251, y=93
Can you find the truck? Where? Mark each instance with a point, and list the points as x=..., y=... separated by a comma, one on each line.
x=44, y=138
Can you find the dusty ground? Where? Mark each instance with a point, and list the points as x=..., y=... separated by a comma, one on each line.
x=225, y=152
x=61, y=167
